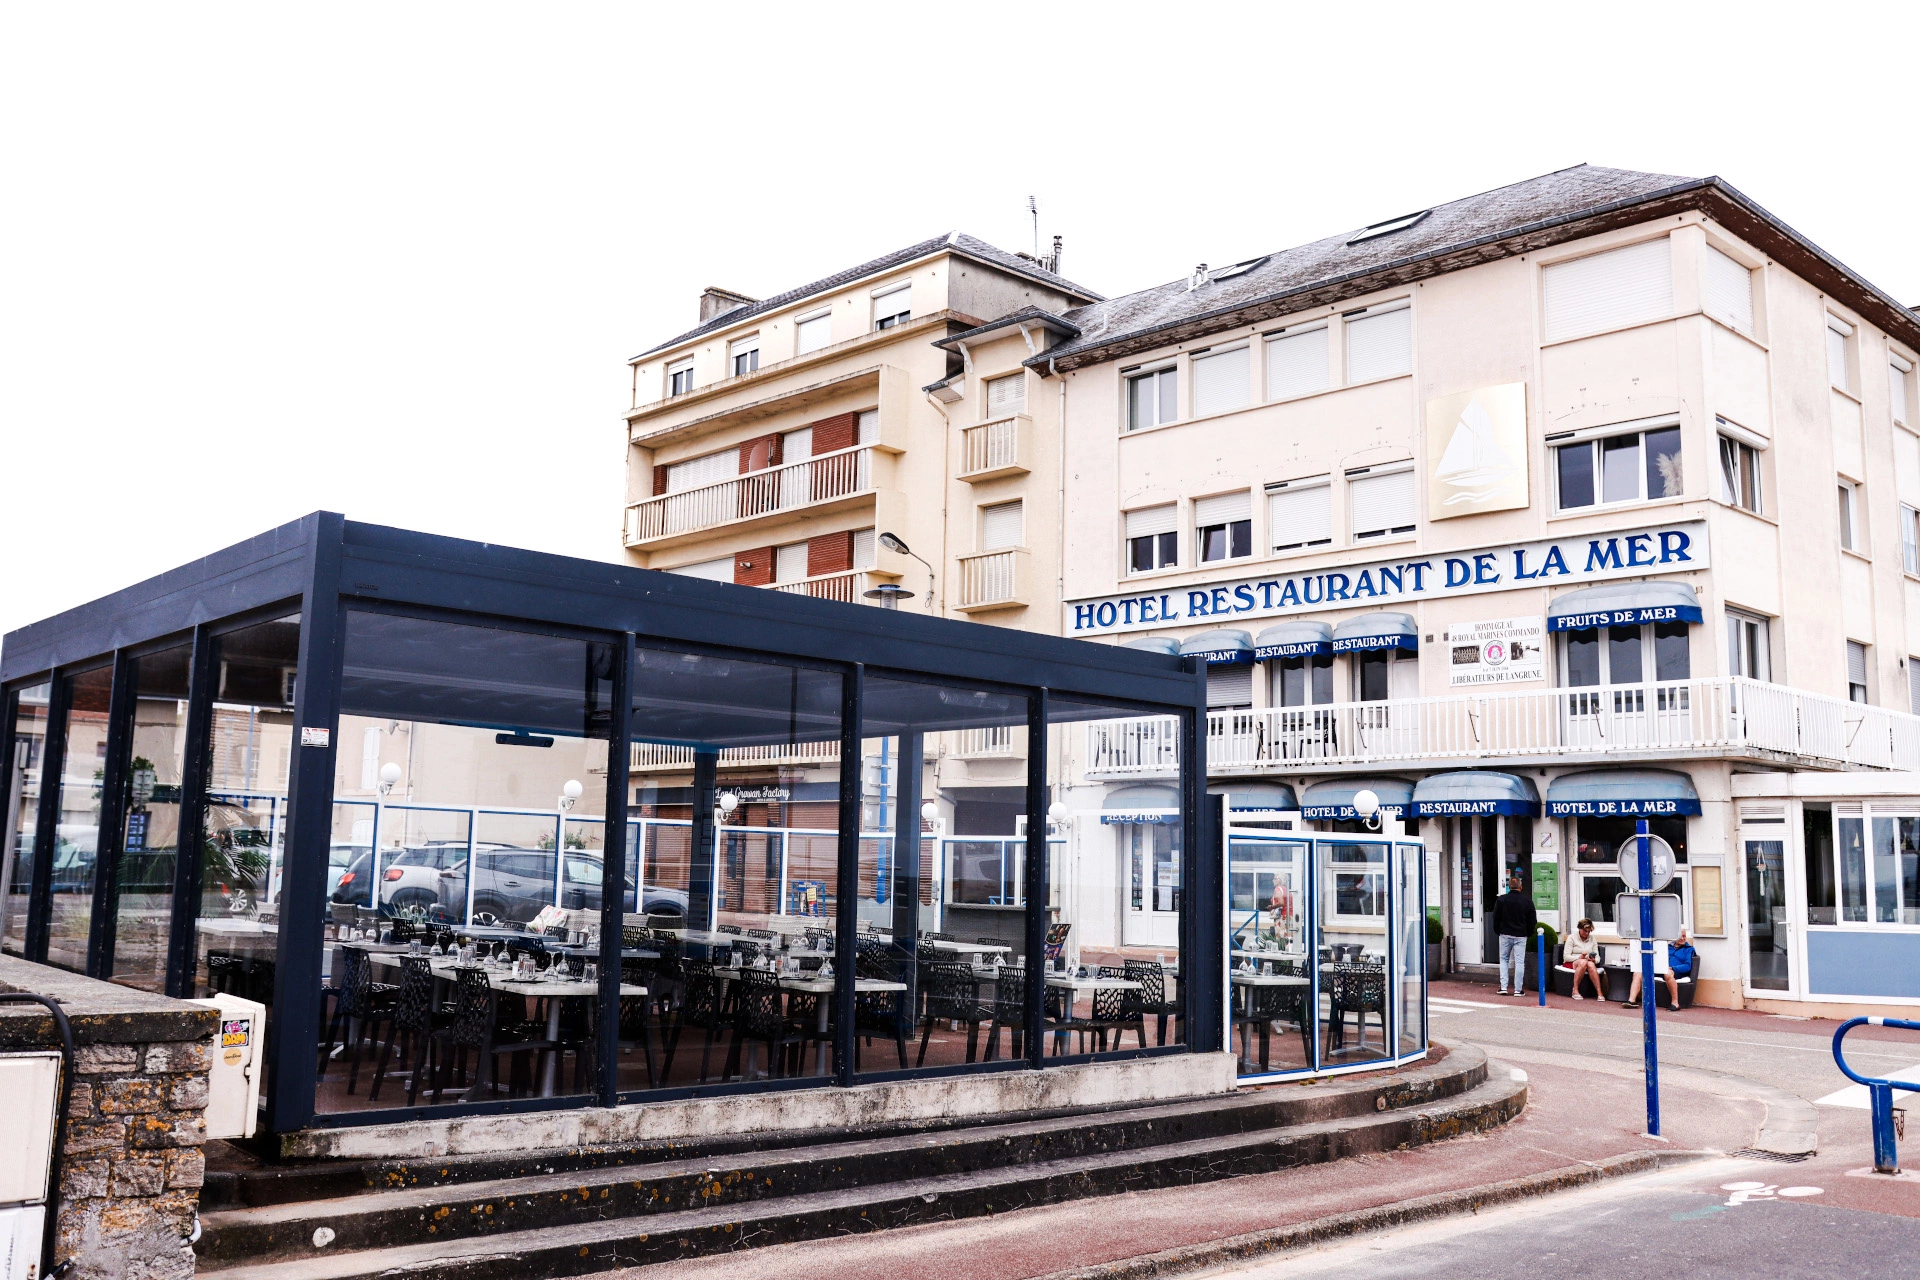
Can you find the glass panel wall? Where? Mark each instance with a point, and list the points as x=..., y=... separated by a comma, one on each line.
x=942, y=970
x=733, y=843
x=150, y=842
x=460, y=933
x=23, y=807
x=1270, y=969
x=244, y=832
x=76, y=838
x=1353, y=928
x=1409, y=958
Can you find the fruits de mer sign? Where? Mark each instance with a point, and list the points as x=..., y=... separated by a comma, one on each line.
x=1551, y=562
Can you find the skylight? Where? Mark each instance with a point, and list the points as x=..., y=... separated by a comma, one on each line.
x=1388, y=227
x=1237, y=269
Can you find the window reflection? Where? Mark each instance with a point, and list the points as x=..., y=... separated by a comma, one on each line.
x=150, y=842
x=23, y=795
x=76, y=836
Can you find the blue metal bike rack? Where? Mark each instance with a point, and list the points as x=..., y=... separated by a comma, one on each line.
x=1879, y=1092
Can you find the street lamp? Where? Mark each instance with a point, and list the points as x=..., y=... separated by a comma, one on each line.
x=1366, y=803
x=888, y=594
x=389, y=775
x=893, y=543
x=569, y=793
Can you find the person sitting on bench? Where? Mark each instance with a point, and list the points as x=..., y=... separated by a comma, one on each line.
x=1663, y=967
x=1583, y=957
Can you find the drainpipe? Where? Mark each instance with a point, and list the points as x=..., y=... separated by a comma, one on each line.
x=1060, y=501
x=946, y=458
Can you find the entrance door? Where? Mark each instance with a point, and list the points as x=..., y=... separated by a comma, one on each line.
x=1505, y=846
x=1150, y=884
x=1769, y=940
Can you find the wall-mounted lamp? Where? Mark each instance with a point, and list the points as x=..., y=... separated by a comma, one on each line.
x=389, y=776
x=726, y=804
x=1366, y=803
x=570, y=793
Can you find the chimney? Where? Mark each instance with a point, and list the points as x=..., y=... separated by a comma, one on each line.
x=1052, y=261
x=716, y=302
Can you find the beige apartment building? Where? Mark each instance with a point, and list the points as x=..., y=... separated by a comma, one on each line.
x=1587, y=499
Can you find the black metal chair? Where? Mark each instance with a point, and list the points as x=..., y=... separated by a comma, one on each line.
x=882, y=1013
x=733, y=929
x=701, y=1005
x=953, y=996
x=760, y=1017
x=1359, y=990
x=1150, y=1001
x=410, y=1026
x=472, y=1025
x=362, y=1000
x=1009, y=1012
x=1108, y=1015
x=636, y=1020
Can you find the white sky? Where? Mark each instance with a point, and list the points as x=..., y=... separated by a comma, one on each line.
x=390, y=260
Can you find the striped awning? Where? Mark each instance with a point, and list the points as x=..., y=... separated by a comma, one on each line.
x=1475, y=793
x=1623, y=604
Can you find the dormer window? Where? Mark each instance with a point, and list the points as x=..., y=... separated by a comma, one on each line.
x=680, y=377
x=743, y=354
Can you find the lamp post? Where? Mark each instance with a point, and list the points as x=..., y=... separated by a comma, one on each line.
x=1366, y=803
x=894, y=543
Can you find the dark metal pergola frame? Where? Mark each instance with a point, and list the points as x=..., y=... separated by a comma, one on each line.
x=323, y=565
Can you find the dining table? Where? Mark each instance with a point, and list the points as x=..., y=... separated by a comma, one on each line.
x=1246, y=980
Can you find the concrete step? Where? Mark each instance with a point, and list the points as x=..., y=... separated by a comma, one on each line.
x=567, y=1225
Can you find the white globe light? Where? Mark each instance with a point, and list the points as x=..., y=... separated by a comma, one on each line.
x=930, y=812
x=389, y=773
x=1365, y=802
x=729, y=802
x=1058, y=812
x=572, y=789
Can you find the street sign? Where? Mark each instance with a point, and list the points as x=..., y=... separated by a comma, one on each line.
x=1666, y=915
x=1629, y=864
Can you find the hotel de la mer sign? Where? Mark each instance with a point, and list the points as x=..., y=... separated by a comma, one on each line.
x=1551, y=562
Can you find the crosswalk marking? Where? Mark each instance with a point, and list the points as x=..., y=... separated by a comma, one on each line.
x=1447, y=1004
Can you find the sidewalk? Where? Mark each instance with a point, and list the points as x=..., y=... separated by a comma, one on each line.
x=1572, y=1116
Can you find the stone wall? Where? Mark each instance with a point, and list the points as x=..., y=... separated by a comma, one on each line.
x=131, y=1165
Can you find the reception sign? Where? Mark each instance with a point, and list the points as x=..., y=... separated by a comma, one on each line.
x=1385, y=584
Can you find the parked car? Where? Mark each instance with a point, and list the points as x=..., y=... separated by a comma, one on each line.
x=340, y=856
x=512, y=885
x=411, y=879
x=73, y=857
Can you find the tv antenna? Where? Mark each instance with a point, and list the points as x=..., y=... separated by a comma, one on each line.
x=1033, y=207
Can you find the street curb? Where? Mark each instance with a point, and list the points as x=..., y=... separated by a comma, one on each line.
x=1256, y=1244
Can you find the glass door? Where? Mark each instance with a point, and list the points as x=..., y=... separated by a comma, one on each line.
x=1150, y=879
x=1270, y=969
x=1769, y=936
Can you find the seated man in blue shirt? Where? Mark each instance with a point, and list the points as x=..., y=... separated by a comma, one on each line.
x=1670, y=961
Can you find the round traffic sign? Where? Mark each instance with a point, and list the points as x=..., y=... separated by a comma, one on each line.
x=1629, y=868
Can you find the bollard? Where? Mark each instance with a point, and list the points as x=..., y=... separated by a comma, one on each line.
x=1540, y=946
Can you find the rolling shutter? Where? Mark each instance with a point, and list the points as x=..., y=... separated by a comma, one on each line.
x=720, y=570
x=863, y=549
x=867, y=431
x=1607, y=290
x=1906, y=467
x=1220, y=382
x=1380, y=344
x=1223, y=509
x=813, y=332
x=1297, y=364
x=1230, y=685
x=695, y=472
x=1381, y=503
x=1856, y=662
x=790, y=562
x=1729, y=291
x=1001, y=526
x=1007, y=395
x=1897, y=371
x=1152, y=520
x=1300, y=517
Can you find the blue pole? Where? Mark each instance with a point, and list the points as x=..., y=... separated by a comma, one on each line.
x=1540, y=940
x=1647, y=999
x=1886, y=1158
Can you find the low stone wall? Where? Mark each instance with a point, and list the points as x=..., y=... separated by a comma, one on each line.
x=131, y=1165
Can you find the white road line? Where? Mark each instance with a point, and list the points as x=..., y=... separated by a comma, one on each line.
x=1855, y=1095
x=1452, y=1005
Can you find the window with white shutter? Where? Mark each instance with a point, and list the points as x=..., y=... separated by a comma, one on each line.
x=1856, y=671
x=1001, y=526
x=863, y=549
x=1006, y=395
x=1298, y=364
x=1152, y=538
x=680, y=377
x=797, y=446
x=1913, y=685
x=1729, y=291
x=1898, y=371
x=1300, y=514
x=868, y=427
x=711, y=469
x=1223, y=526
x=1906, y=466
x=1608, y=290
x=893, y=307
x=1229, y=686
x=790, y=562
x=743, y=354
x=1839, y=367
x=813, y=331
x=1221, y=382
x=1380, y=343
x=1382, y=503
x=720, y=570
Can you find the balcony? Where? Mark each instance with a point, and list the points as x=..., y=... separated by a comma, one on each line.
x=656, y=757
x=849, y=588
x=818, y=482
x=993, y=580
x=1701, y=718
x=998, y=448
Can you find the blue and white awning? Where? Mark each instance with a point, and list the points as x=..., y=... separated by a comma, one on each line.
x=1623, y=793
x=1297, y=639
x=1140, y=802
x=1376, y=631
x=1475, y=793
x=1623, y=604
x=1153, y=644
x=1333, y=801
x=1217, y=648
x=1259, y=799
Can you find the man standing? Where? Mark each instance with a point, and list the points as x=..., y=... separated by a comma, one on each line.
x=1514, y=921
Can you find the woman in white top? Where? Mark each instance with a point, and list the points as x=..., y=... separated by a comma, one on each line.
x=1583, y=957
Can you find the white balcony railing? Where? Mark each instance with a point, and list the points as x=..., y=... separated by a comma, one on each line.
x=995, y=740
x=1700, y=717
x=993, y=578
x=995, y=448
x=849, y=587
x=657, y=755
x=757, y=493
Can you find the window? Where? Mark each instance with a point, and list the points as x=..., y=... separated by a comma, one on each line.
x=1609, y=290
x=1898, y=371
x=696, y=473
x=813, y=331
x=717, y=570
x=1856, y=671
x=1297, y=363
x=1849, y=514
x=1304, y=681
x=1380, y=342
x=1896, y=870
x=1636, y=467
x=743, y=354
x=1626, y=655
x=1739, y=473
x=1152, y=542
x=1729, y=291
x=1359, y=874
x=1229, y=686
x=1152, y=398
x=680, y=378
x=790, y=562
x=1839, y=362
x=1909, y=539
x=1006, y=395
x=1379, y=674
x=1001, y=526
x=1382, y=502
x=1224, y=526
x=863, y=549
x=867, y=427
x=1300, y=513
x=1749, y=652
x=1221, y=381
x=1913, y=684
x=893, y=307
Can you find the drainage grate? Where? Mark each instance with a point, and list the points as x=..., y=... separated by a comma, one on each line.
x=1752, y=1153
